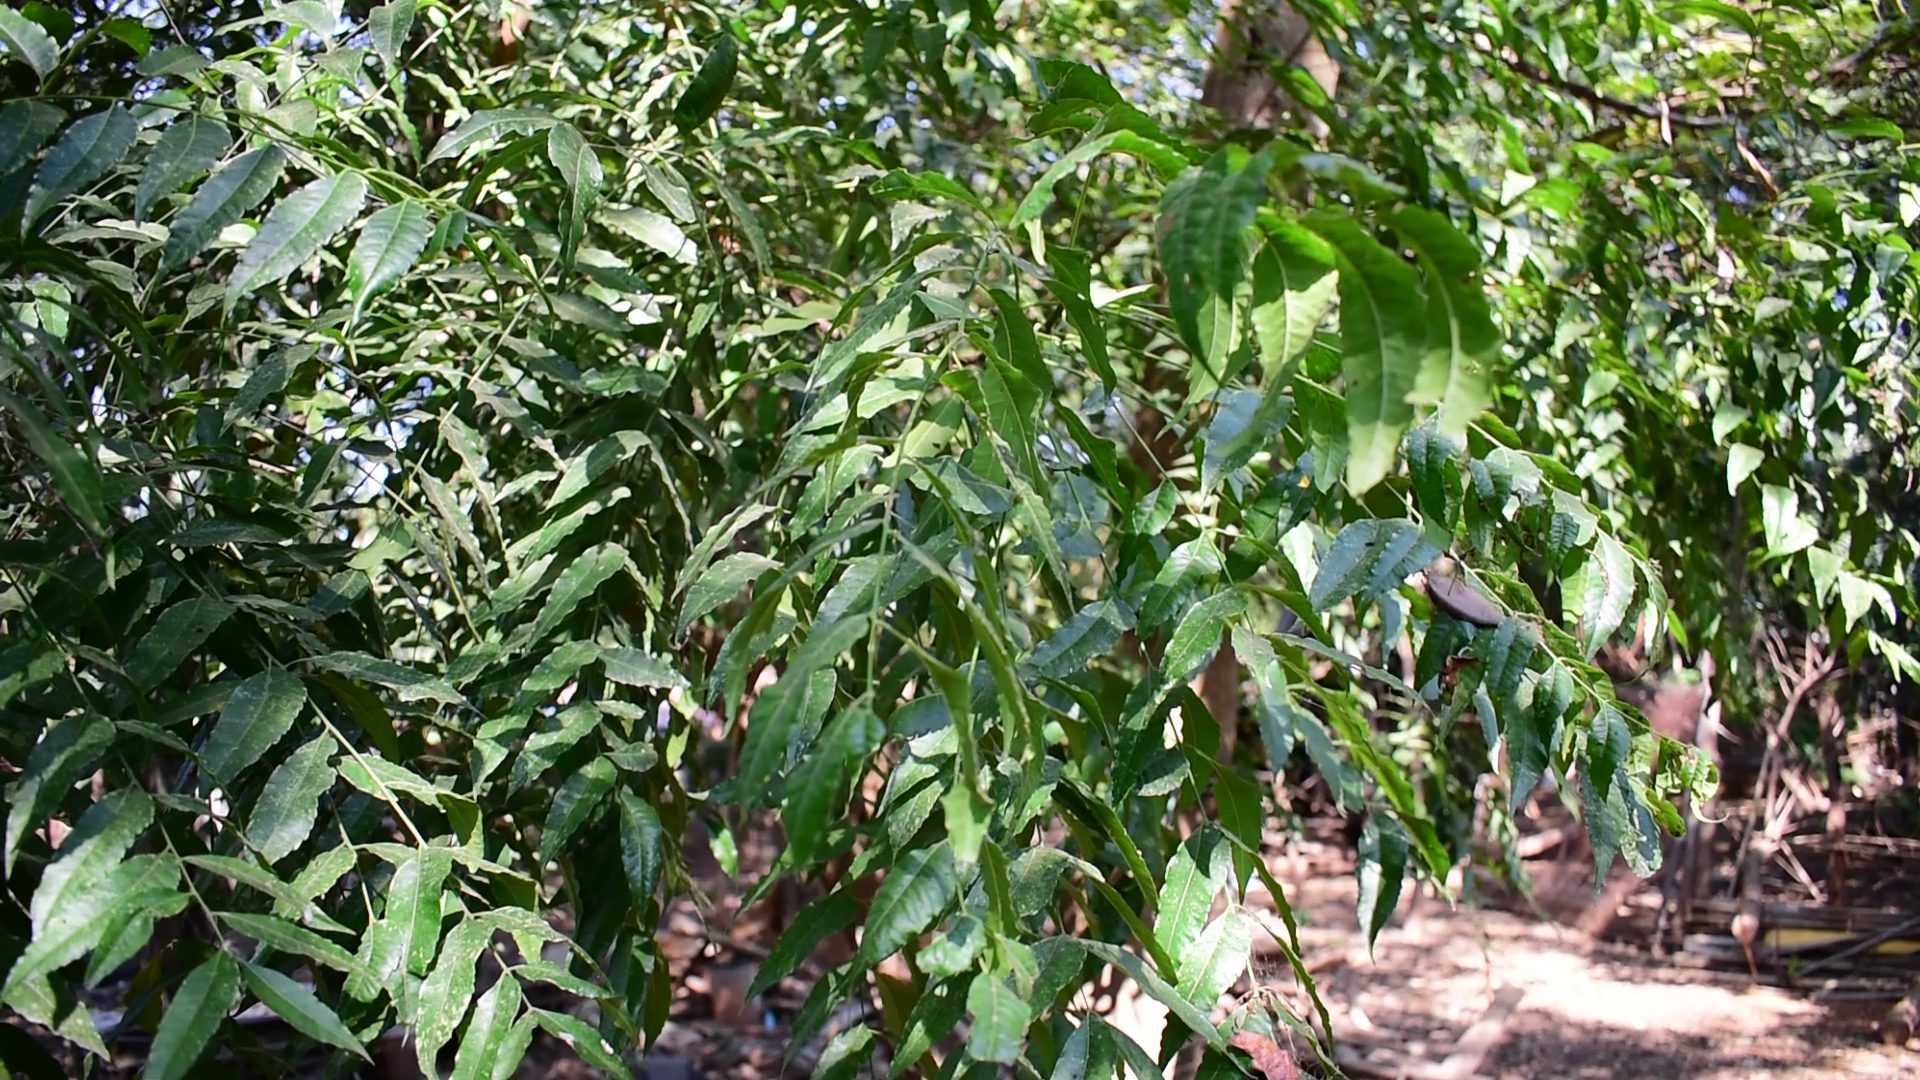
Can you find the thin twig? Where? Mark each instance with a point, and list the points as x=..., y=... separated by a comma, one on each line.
x=1661, y=113
x=1855, y=64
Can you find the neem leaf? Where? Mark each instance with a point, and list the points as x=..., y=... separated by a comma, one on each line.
x=1383, y=338
x=260, y=710
x=202, y=1002
x=286, y=810
x=189, y=148
x=390, y=243
x=91, y=146
x=916, y=891
x=224, y=199
x=487, y=126
x=1462, y=342
x=388, y=26
x=299, y=1008
x=296, y=230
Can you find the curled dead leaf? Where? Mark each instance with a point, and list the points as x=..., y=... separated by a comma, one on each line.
x=1272, y=1059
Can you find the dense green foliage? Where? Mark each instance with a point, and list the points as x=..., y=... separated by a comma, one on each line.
x=426, y=432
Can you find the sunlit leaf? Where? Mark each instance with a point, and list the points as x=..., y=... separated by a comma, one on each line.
x=226, y=197
x=298, y=1006
x=27, y=42
x=189, y=148
x=198, y=1007
x=296, y=230
x=390, y=243
x=260, y=710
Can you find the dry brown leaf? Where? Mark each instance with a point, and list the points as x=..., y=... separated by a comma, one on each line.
x=1272, y=1059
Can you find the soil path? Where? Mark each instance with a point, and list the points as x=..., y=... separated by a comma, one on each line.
x=1585, y=1010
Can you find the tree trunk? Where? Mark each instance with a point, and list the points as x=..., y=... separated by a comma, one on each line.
x=1255, y=39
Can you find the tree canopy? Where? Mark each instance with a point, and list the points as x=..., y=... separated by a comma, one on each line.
x=451, y=449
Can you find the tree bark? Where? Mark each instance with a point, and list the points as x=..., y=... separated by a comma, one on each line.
x=1254, y=40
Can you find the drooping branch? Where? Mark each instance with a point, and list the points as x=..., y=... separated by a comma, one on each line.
x=1662, y=112
x=1899, y=32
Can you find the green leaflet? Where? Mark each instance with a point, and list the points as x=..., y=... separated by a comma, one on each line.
x=266, y=380
x=670, y=187
x=1462, y=342
x=1155, y=986
x=27, y=42
x=1000, y=1019
x=1368, y=559
x=1216, y=959
x=25, y=126
x=487, y=127
x=1195, y=875
x=260, y=710
x=1041, y=194
x=298, y=1007
x=783, y=720
x=814, y=924
x=189, y=148
x=1245, y=423
x=707, y=90
x=390, y=243
x=286, y=809
x=287, y=937
x=836, y=359
x=1434, y=460
x=198, y=1007
x=1610, y=578
x=642, y=846
x=407, y=683
x=225, y=198
x=486, y=1045
x=579, y=580
x=934, y=1016
x=92, y=145
x=1532, y=735
x=1383, y=339
x=1188, y=568
x=447, y=991
x=555, y=736
x=407, y=935
x=581, y=1037
x=915, y=893
x=817, y=792
x=579, y=795
x=721, y=582
x=1382, y=869
x=243, y=872
x=1203, y=242
x=73, y=470
x=1090, y=633
x=67, y=749
x=954, y=951
x=1198, y=634
x=387, y=28
x=1071, y=283
x=86, y=887
x=1294, y=282
x=846, y=1055
x=631, y=667
x=580, y=168
x=295, y=231
x=656, y=231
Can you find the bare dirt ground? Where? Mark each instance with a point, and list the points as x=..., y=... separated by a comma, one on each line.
x=1579, y=1009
